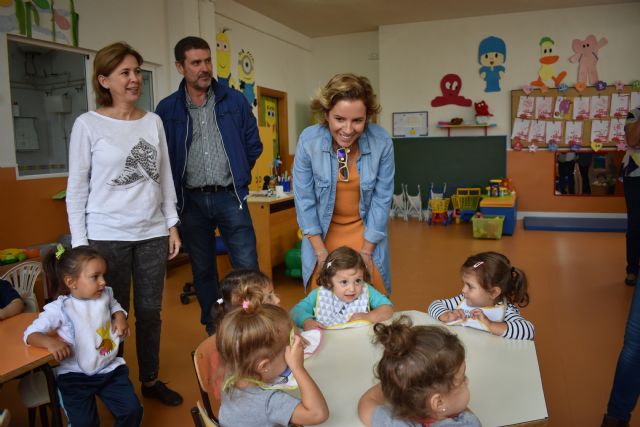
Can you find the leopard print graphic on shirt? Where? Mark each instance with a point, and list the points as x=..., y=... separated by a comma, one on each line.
x=141, y=164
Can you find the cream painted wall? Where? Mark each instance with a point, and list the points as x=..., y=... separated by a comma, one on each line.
x=350, y=53
x=282, y=58
x=414, y=57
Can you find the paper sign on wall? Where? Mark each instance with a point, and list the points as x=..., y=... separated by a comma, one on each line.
x=553, y=132
x=544, y=107
x=581, y=107
x=537, y=132
x=573, y=133
x=616, y=131
x=599, y=108
x=526, y=106
x=520, y=130
x=619, y=105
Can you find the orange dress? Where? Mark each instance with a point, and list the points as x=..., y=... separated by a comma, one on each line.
x=347, y=227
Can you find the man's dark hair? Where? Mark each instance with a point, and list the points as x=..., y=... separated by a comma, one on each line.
x=189, y=43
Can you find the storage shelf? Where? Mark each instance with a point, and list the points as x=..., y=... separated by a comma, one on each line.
x=449, y=127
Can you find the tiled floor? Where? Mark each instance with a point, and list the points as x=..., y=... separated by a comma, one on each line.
x=578, y=305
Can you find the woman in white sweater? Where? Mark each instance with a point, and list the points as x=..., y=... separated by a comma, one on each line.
x=121, y=200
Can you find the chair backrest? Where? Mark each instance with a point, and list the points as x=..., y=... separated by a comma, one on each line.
x=23, y=278
x=209, y=372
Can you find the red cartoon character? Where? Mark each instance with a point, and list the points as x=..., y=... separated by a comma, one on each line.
x=450, y=85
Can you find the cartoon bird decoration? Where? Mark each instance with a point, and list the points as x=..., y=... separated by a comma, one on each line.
x=246, y=77
x=223, y=59
x=546, y=74
x=106, y=345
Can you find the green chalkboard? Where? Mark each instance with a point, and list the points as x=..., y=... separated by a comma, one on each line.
x=469, y=161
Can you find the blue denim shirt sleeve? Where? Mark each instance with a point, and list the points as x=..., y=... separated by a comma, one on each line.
x=375, y=223
x=376, y=299
x=305, y=308
x=304, y=189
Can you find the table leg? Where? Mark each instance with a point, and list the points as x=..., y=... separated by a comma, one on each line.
x=56, y=417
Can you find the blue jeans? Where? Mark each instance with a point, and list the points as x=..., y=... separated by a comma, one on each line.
x=79, y=393
x=626, y=383
x=632, y=199
x=202, y=214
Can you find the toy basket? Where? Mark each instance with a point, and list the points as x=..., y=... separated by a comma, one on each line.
x=487, y=227
x=466, y=199
x=439, y=205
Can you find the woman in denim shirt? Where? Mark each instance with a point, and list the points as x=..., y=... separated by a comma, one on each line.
x=343, y=179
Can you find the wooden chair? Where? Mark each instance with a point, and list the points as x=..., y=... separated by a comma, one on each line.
x=210, y=375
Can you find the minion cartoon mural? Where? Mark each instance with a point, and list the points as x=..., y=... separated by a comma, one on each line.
x=492, y=54
x=223, y=59
x=270, y=120
x=246, y=77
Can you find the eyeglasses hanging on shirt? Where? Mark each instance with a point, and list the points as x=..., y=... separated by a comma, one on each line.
x=343, y=164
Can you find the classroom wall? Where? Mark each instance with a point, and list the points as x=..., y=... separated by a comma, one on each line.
x=282, y=58
x=350, y=53
x=414, y=57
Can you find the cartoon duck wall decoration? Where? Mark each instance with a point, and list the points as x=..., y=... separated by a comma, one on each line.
x=546, y=74
x=245, y=77
x=223, y=59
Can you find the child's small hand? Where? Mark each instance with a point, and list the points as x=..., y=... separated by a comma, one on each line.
x=311, y=324
x=120, y=325
x=59, y=348
x=294, y=353
x=296, y=331
x=478, y=314
x=359, y=316
x=451, y=316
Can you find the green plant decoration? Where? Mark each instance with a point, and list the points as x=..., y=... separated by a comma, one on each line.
x=20, y=16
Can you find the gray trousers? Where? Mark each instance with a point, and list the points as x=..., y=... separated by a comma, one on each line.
x=145, y=261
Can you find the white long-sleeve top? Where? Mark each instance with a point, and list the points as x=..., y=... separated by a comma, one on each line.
x=517, y=326
x=120, y=185
x=53, y=318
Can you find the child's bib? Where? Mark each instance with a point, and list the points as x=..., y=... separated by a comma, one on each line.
x=494, y=313
x=331, y=310
x=95, y=345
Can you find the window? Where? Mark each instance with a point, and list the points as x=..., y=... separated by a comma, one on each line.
x=48, y=92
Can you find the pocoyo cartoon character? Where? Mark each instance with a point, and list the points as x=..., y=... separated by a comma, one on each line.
x=492, y=54
x=546, y=74
x=586, y=55
x=223, y=59
x=245, y=77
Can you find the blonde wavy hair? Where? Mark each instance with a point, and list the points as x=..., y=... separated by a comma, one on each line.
x=344, y=86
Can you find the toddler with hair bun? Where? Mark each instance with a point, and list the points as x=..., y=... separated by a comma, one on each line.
x=422, y=379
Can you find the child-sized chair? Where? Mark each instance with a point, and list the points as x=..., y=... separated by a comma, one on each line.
x=210, y=376
x=23, y=278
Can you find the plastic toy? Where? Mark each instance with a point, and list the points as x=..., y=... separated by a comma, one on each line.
x=399, y=204
x=438, y=212
x=293, y=259
x=465, y=203
x=482, y=113
x=9, y=256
